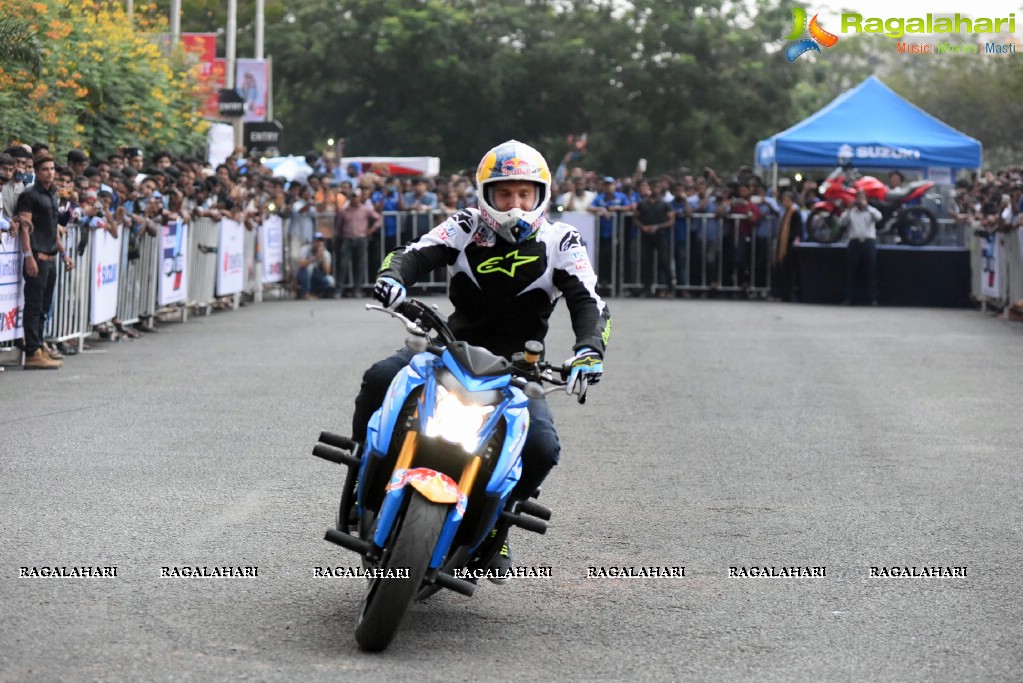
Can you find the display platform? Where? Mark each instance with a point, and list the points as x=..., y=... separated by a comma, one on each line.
x=906, y=276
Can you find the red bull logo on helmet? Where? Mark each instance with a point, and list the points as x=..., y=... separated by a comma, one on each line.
x=516, y=166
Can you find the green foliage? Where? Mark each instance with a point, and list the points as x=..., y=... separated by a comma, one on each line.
x=101, y=81
x=673, y=81
x=19, y=45
x=679, y=82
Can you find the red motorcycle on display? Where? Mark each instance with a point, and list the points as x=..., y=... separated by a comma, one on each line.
x=902, y=214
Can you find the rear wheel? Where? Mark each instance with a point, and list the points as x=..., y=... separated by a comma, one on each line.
x=823, y=227
x=918, y=226
x=387, y=599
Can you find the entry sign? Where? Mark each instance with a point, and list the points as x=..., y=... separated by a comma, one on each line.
x=230, y=103
x=261, y=135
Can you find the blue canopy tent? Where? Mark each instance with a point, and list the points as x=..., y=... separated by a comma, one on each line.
x=870, y=126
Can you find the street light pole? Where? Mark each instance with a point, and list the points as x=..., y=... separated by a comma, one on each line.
x=175, y=22
x=232, y=50
x=260, y=11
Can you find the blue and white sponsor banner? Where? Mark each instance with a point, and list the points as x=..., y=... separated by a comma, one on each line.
x=991, y=271
x=271, y=241
x=106, y=266
x=230, y=258
x=173, y=264
x=12, y=294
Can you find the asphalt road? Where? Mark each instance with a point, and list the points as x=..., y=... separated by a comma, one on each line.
x=725, y=434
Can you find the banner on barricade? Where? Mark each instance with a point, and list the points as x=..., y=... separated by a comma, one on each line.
x=12, y=294
x=271, y=241
x=991, y=272
x=106, y=266
x=230, y=258
x=173, y=264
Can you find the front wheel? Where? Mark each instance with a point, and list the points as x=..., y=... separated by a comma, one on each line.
x=387, y=599
x=918, y=226
x=822, y=226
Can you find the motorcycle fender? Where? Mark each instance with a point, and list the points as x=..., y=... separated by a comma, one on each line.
x=434, y=486
x=827, y=206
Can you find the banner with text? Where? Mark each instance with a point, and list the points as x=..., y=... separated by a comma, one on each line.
x=991, y=273
x=173, y=264
x=230, y=258
x=12, y=296
x=106, y=266
x=271, y=240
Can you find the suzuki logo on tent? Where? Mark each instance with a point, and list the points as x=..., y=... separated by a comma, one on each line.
x=818, y=36
x=877, y=152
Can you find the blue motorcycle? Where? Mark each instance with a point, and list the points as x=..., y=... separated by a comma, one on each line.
x=428, y=496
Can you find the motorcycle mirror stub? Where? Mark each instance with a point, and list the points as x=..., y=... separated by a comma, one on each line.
x=533, y=390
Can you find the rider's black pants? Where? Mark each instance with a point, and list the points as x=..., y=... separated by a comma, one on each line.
x=539, y=454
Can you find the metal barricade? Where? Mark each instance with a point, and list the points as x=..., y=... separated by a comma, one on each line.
x=149, y=276
x=715, y=257
x=996, y=269
x=69, y=312
x=952, y=233
x=203, y=236
x=253, y=275
x=136, y=287
x=398, y=228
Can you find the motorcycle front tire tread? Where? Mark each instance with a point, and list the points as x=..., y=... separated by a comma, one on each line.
x=387, y=601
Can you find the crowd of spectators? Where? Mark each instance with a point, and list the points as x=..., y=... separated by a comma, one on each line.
x=991, y=203
x=701, y=230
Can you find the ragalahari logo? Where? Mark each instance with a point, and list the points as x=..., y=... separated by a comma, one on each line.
x=818, y=36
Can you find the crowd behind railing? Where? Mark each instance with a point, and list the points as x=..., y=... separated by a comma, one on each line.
x=686, y=234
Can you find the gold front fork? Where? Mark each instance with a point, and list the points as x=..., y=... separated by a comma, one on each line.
x=468, y=477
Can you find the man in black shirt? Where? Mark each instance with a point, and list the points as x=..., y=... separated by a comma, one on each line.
x=41, y=246
x=654, y=217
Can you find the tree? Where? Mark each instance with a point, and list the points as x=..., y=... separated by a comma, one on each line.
x=19, y=45
x=101, y=82
x=672, y=81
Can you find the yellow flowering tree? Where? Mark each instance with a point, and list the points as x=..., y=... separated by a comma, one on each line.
x=102, y=83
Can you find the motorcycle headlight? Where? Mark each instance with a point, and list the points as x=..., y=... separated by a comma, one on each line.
x=457, y=422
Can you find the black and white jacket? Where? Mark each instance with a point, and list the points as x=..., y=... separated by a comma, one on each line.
x=504, y=293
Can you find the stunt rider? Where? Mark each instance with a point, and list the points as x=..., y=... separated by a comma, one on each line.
x=508, y=267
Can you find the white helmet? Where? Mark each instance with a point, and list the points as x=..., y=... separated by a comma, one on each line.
x=513, y=160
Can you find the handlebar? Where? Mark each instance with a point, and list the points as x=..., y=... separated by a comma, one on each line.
x=428, y=323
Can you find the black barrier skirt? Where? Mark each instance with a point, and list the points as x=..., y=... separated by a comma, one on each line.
x=906, y=276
